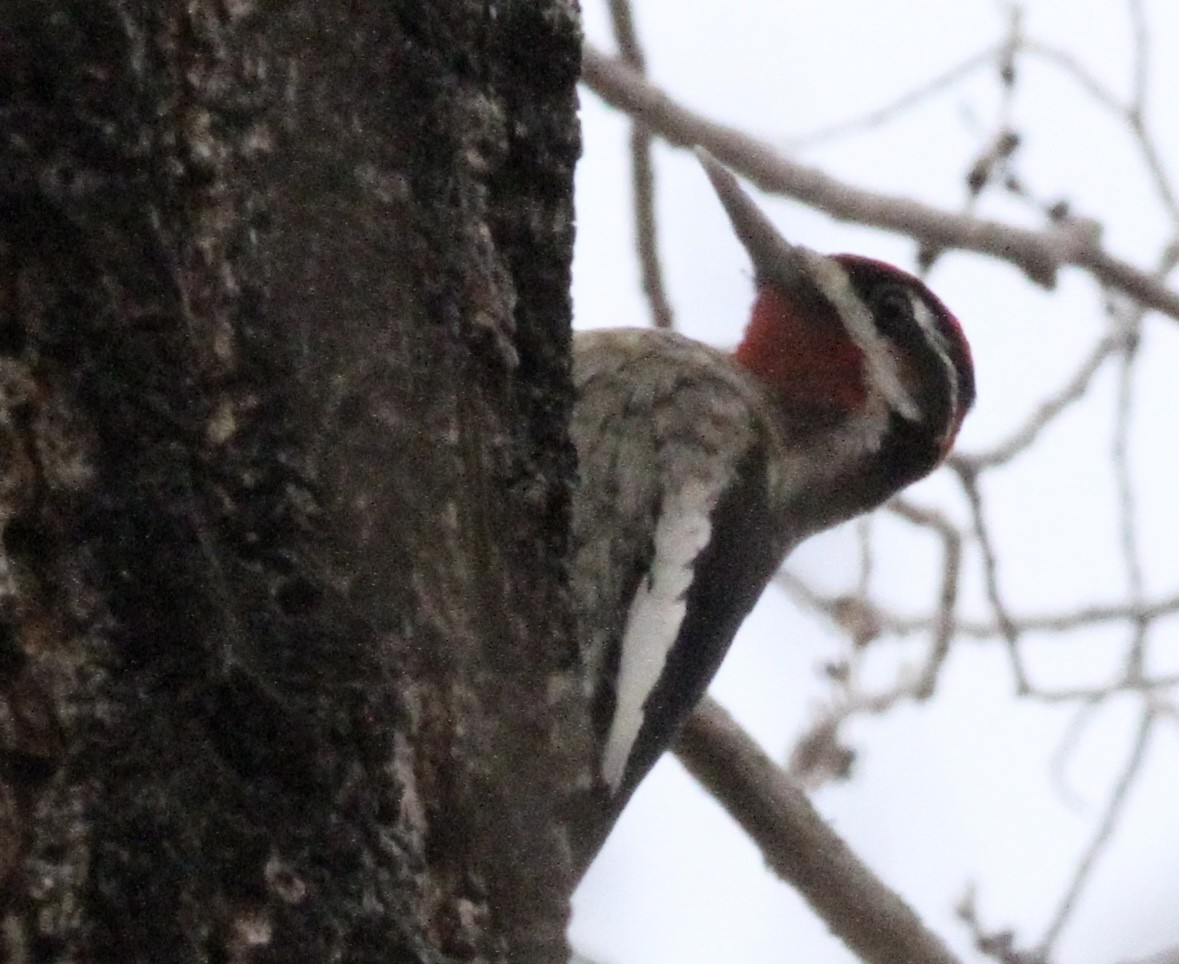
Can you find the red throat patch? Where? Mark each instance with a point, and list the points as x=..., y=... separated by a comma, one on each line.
x=809, y=361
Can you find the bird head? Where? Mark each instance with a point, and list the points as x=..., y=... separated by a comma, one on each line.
x=839, y=337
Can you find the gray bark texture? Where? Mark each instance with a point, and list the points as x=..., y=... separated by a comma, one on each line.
x=286, y=663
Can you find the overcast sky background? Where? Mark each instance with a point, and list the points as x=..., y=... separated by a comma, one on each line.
x=959, y=790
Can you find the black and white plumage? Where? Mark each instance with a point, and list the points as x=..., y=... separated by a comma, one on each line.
x=700, y=470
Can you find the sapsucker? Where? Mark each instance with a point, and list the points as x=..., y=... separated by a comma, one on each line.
x=699, y=470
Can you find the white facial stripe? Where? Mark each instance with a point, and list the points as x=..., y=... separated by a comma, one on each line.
x=882, y=369
x=656, y=614
x=937, y=341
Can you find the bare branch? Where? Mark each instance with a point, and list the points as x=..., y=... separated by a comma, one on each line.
x=642, y=176
x=803, y=850
x=1094, y=694
x=1037, y=253
x=626, y=36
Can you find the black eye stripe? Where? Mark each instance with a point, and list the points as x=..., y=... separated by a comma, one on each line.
x=891, y=303
x=892, y=310
x=888, y=299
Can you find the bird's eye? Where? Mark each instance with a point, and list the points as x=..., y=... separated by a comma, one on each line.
x=892, y=310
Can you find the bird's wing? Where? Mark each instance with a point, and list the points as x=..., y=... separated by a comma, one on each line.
x=674, y=439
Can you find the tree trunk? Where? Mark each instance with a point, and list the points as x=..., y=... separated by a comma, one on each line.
x=286, y=668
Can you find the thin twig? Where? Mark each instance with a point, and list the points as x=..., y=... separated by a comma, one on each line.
x=1046, y=625
x=1022, y=439
x=1139, y=85
x=1094, y=694
x=1128, y=511
x=1133, y=113
x=892, y=110
x=944, y=620
x=1104, y=832
x=1084, y=715
x=1010, y=631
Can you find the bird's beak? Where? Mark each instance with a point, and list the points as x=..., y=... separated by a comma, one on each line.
x=775, y=260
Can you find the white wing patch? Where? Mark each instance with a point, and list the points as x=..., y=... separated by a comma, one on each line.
x=656, y=614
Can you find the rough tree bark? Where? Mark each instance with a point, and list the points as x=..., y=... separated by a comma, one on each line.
x=286, y=671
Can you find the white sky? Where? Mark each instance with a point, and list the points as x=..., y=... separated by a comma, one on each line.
x=959, y=790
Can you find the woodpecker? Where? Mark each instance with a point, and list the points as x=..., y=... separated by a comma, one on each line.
x=700, y=470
